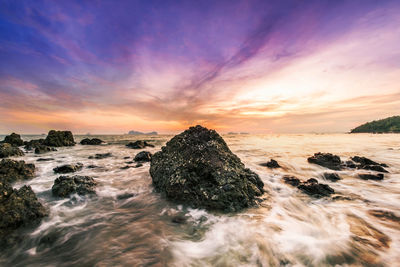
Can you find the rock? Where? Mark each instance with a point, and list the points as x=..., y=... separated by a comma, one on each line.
x=92, y=167
x=384, y=214
x=14, y=140
x=32, y=144
x=138, y=165
x=315, y=189
x=41, y=149
x=331, y=176
x=376, y=168
x=59, y=138
x=7, y=150
x=18, y=207
x=91, y=142
x=126, y=157
x=68, y=168
x=179, y=219
x=12, y=170
x=368, y=164
x=125, y=196
x=139, y=144
x=370, y=176
x=196, y=167
x=349, y=164
x=101, y=156
x=364, y=161
x=44, y=159
x=293, y=181
x=67, y=185
x=271, y=164
x=125, y=167
x=327, y=160
x=143, y=156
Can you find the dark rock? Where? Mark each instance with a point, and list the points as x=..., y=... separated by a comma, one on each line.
x=331, y=176
x=101, y=156
x=125, y=167
x=138, y=165
x=68, y=168
x=349, y=164
x=18, y=207
x=376, y=168
x=12, y=170
x=91, y=142
x=143, y=156
x=67, y=185
x=370, y=176
x=126, y=157
x=364, y=160
x=327, y=160
x=315, y=189
x=139, y=144
x=125, y=196
x=59, y=138
x=7, y=150
x=92, y=167
x=196, y=167
x=45, y=159
x=14, y=140
x=32, y=144
x=130, y=162
x=271, y=164
x=293, y=181
x=179, y=219
x=368, y=164
x=41, y=149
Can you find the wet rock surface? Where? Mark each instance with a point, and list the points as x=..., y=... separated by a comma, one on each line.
x=272, y=164
x=13, y=170
x=331, y=176
x=45, y=159
x=67, y=185
x=310, y=187
x=14, y=140
x=7, y=150
x=196, y=167
x=68, y=168
x=59, y=139
x=139, y=144
x=91, y=142
x=41, y=149
x=143, y=156
x=371, y=176
x=327, y=160
x=101, y=156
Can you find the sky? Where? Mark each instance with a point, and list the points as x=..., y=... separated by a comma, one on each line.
x=254, y=66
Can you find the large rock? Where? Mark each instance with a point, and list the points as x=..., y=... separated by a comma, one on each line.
x=41, y=149
x=32, y=144
x=327, y=160
x=14, y=140
x=7, y=150
x=68, y=168
x=67, y=185
x=143, y=156
x=18, y=208
x=91, y=142
x=59, y=138
x=12, y=170
x=196, y=167
x=139, y=144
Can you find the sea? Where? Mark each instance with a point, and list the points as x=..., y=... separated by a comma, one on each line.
x=129, y=224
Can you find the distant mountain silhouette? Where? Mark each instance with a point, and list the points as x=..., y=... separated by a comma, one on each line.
x=140, y=133
x=388, y=125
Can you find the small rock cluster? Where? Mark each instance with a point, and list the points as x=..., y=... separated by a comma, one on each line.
x=140, y=144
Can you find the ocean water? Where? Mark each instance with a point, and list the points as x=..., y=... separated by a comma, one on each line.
x=288, y=229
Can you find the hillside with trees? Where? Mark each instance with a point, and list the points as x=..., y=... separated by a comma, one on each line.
x=388, y=125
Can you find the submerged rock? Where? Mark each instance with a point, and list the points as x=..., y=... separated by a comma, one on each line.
x=327, y=160
x=293, y=181
x=32, y=144
x=68, y=168
x=310, y=187
x=331, y=176
x=18, y=208
x=59, y=138
x=91, y=142
x=125, y=196
x=7, y=150
x=44, y=159
x=12, y=170
x=143, y=156
x=67, y=185
x=14, y=140
x=101, y=156
x=370, y=176
x=139, y=144
x=41, y=149
x=272, y=164
x=196, y=167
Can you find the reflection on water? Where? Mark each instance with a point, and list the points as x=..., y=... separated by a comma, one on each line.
x=127, y=224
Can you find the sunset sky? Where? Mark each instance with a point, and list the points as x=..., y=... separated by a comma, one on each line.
x=255, y=66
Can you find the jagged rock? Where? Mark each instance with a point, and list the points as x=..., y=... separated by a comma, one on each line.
x=32, y=144
x=272, y=164
x=12, y=170
x=370, y=176
x=327, y=160
x=143, y=156
x=139, y=144
x=18, y=208
x=59, y=138
x=331, y=176
x=310, y=187
x=68, y=168
x=7, y=150
x=196, y=167
x=366, y=161
x=91, y=142
x=41, y=149
x=376, y=168
x=14, y=140
x=101, y=156
x=67, y=185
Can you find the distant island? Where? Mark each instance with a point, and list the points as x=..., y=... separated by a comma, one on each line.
x=388, y=125
x=140, y=133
